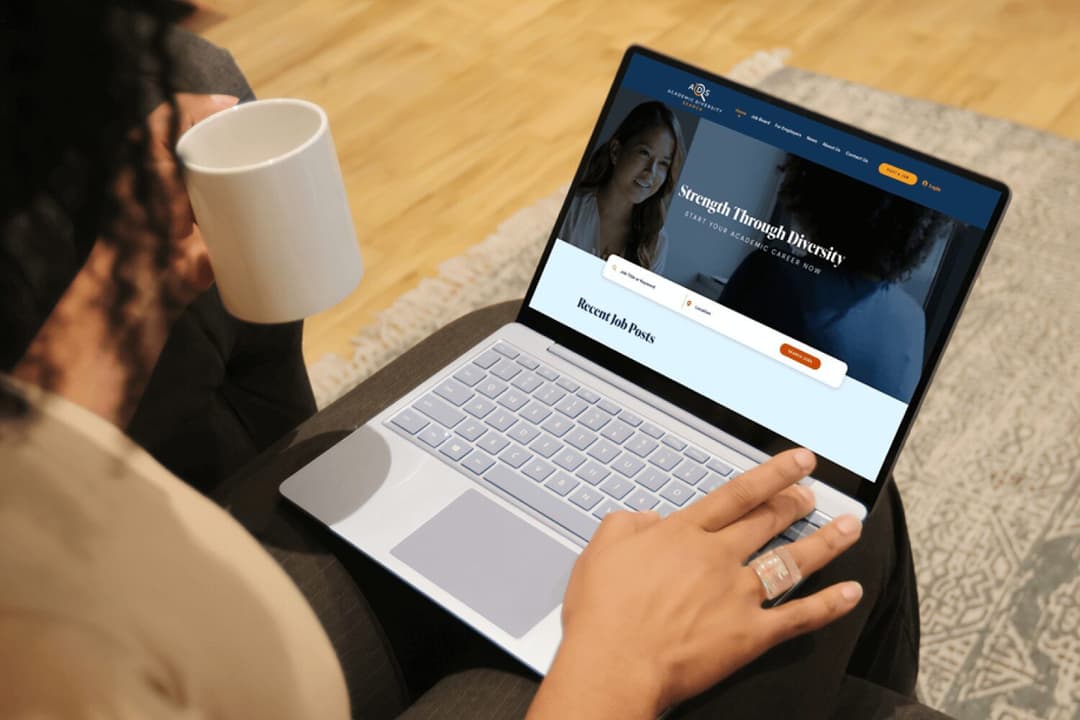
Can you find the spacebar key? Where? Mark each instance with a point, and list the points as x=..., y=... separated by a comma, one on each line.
x=542, y=501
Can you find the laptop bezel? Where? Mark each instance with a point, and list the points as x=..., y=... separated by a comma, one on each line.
x=865, y=490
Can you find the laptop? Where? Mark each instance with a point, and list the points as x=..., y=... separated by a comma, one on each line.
x=730, y=276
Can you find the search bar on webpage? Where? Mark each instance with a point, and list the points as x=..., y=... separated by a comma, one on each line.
x=744, y=330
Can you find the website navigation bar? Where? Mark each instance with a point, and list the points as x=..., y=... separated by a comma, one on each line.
x=844, y=152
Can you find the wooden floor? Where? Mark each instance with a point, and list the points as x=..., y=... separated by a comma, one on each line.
x=450, y=114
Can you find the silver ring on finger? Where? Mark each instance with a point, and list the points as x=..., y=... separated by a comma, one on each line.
x=777, y=571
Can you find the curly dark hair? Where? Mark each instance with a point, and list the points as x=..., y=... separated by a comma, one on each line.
x=883, y=236
x=75, y=76
x=647, y=218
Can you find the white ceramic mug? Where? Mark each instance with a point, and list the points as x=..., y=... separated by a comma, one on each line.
x=266, y=189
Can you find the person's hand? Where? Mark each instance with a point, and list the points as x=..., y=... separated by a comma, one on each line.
x=659, y=610
x=188, y=273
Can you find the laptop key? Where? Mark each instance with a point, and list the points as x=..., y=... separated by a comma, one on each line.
x=455, y=449
x=571, y=406
x=439, y=410
x=567, y=384
x=617, y=487
x=515, y=456
x=641, y=499
x=479, y=407
x=501, y=420
x=538, y=469
x=527, y=362
x=652, y=431
x=569, y=460
x=506, y=349
x=513, y=399
x=491, y=387
x=594, y=419
x=677, y=493
x=673, y=442
x=561, y=483
x=617, y=431
x=470, y=375
x=641, y=445
x=493, y=443
x=523, y=433
x=604, y=451
x=606, y=508
x=818, y=518
x=628, y=465
x=607, y=406
x=454, y=392
x=471, y=429
x=557, y=425
x=487, y=359
x=588, y=395
x=433, y=436
x=629, y=418
x=653, y=479
x=549, y=394
x=665, y=459
x=586, y=497
x=542, y=501
x=689, y=472
x=719, y=466
x=535, y=413
x=694, y=454
x=580, y=438
x=410, y=421
x=592, y=472
x=478, y=462
x=547, y=373
x=546, y=446
x=505, y=369
x=527, y=381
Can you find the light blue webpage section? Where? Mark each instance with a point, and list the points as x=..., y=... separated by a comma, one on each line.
x=852, y=425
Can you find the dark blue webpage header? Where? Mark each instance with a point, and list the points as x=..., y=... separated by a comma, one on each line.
x=899, y=174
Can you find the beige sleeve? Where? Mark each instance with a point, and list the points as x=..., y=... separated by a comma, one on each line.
x=52, y=668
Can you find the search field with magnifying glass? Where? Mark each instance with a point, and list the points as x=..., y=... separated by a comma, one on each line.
x=775, y=345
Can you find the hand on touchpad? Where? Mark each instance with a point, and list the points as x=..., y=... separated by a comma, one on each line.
x=491, y=560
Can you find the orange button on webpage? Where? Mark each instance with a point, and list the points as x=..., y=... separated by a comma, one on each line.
x=800, y=356
x=908, y=178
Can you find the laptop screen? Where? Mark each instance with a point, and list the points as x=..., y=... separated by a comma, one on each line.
x=802, y=275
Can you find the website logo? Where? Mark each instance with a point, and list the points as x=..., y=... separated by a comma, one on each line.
x=700, y=91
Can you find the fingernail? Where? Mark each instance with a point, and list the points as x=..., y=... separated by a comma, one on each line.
x=805, y=459
x=851, y=591
x=224, y=100
x=847, y=525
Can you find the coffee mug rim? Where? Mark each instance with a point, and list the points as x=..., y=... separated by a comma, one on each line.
x=242, y=107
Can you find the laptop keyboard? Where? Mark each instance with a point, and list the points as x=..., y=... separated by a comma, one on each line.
x=560, y=449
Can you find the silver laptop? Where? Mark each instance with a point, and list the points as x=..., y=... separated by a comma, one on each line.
x=730, y=276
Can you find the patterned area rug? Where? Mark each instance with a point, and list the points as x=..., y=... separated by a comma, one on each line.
x=991, y=473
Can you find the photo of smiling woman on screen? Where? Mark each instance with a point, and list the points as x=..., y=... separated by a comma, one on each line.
x=620, y=204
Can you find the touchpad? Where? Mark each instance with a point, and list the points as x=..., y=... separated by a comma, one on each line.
x=491, y=560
